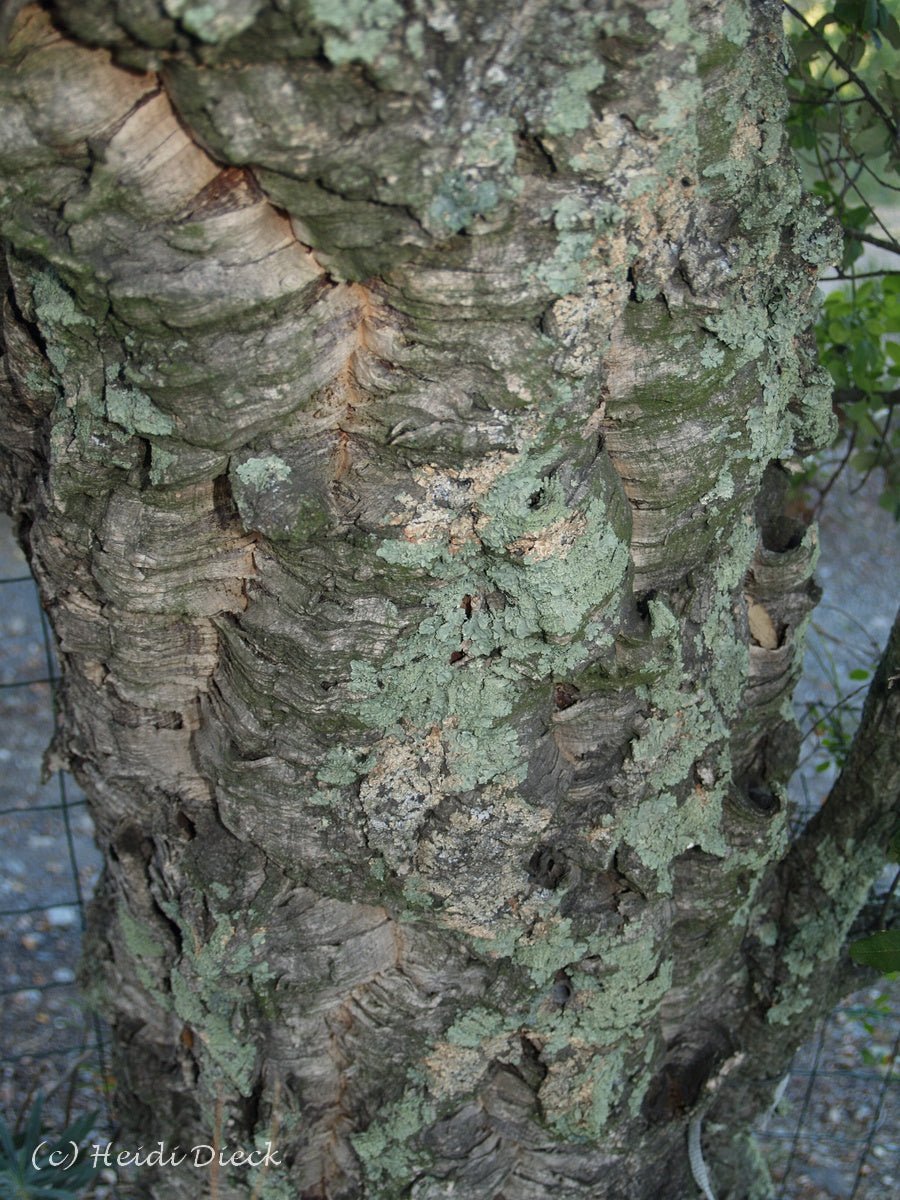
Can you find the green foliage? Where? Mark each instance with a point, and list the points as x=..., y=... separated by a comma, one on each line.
x=36, y=1165
x=879, y=950
x=845, y=92
x=844, y=122
x=854, y=341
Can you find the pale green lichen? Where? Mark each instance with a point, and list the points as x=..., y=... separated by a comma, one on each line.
x=416, y=894
x=687, y=724
x=214, y=20
x=356, y=30
x=577, y=1100
x=204, y=998
x=480, y=1024
x=377, y=868
x=263, y=1184
x=578, y=225
x=660, y=828
x=53, y=303
x=819, y=936
x=135, y=411
x=596, y=1016
x=387, y=1149
x=261, y=473
x=675, y=21
x=817, y=239
x=675, y=113
x=736, y=24
x=161, y=460
x=550, y=589
x=415, y=39
x=711, y=355
x=233, y=1057
x=341, y=766
x=569, y=105
x=459, y=199
x=722, y=489
x=140, y=941
x=482, y=179
x=767, y=933
x=142, y=946
x=551, y=948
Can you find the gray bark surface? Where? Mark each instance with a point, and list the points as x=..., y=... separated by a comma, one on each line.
x=397, y=397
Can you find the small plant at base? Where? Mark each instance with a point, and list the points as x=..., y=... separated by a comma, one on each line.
x=26, y=1174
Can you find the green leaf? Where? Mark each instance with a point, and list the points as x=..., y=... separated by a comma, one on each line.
x=879, y=950
x=872, y=141
x=850, y=12
x=890, y=28
x=870, y=18
x=859, y=673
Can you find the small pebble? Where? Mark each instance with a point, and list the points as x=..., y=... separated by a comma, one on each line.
x=62, y=917
x=27, y=998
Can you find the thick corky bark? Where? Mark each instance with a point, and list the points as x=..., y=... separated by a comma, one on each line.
x=397, y=402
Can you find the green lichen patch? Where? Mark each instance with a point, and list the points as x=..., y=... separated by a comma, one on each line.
x=285, y=500
x=161, y=462
x=480, y=180
x=578, y=226
x=533, y=588
x=569, y=105
x=356, y=30
x=675, y=21
x=54, y=303
x=548, y=948
x=261, y=473
x=214, y=21
x=134, y=410
x=388, y=1149
x=580, y=1092
x=138, y=938
x=208, y=994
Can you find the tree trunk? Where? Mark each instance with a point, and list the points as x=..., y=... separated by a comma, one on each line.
x=397, y=402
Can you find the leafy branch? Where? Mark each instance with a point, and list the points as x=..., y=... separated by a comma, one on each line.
x=845, y=129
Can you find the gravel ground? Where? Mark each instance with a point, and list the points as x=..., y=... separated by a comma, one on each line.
x=835, y=1133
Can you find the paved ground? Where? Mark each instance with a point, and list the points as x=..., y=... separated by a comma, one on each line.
x=49, y=864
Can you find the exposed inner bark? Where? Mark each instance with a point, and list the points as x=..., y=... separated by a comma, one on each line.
x=396, y=402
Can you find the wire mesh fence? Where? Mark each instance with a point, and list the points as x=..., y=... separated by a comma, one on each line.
x=835, y=1132
x=53, y=1046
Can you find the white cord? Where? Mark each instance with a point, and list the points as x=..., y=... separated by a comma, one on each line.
x=695, y=1156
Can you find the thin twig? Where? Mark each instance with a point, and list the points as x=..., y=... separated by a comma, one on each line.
x=891, y=247
x=892, y=243
x=841, y=275
x=823, y=491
